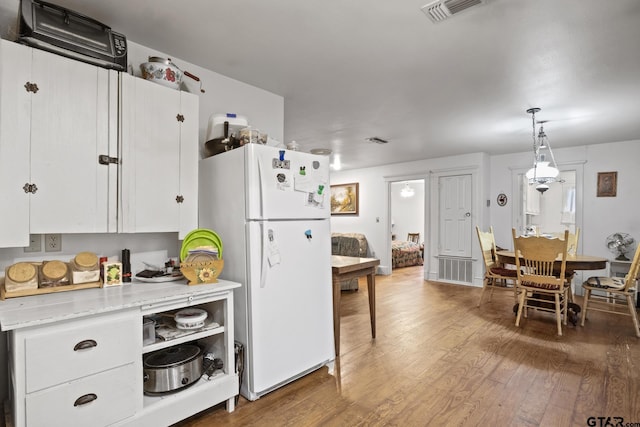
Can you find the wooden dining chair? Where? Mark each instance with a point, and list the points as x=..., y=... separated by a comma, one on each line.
x=613, y=294
x=413, y=237
x=541, y=286
x=496, y=275
x=572, y=248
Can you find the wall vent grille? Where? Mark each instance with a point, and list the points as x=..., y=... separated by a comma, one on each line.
x=442, y=9
x=455, y=269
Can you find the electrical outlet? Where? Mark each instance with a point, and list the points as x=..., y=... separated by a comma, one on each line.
x=35, y=243
x=52, y=242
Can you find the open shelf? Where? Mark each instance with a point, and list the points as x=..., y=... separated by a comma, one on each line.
x=209, y=329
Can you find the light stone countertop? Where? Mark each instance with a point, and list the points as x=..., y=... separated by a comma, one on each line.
x=23, y=312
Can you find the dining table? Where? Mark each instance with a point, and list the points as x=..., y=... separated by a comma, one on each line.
x=573, y=263
x=347, y=267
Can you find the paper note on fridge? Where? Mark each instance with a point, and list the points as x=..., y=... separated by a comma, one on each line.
x=307, y=183
x=273, y=253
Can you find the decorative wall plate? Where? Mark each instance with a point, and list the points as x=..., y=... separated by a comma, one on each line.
x=502, y=199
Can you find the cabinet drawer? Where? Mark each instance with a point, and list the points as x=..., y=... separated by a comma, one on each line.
x=62, y=353
x=115, y=399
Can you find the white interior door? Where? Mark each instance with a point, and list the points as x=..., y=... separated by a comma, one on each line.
x=290, y=300
x=455, y=215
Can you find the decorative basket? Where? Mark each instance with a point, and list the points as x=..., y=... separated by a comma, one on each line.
x=202, y=272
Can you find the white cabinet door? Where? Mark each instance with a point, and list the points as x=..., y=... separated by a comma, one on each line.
x=69, y=130
x=15, y=118
x=159, y=148
x=57, y=116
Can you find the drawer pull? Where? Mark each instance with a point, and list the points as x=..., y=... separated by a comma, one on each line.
x=85, y=344
x=87, y=398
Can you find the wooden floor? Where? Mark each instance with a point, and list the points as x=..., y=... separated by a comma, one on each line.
x=438, y=360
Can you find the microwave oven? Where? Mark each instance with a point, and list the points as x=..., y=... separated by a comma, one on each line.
x=65, y=32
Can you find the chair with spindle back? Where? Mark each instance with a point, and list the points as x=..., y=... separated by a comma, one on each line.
x=618, y=293
x=413, y=237
x=496, y=275
x=542, y=285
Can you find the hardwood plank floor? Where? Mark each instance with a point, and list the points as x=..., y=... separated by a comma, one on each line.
x=439, y=360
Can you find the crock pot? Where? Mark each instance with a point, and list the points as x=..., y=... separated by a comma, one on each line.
x=172, y=369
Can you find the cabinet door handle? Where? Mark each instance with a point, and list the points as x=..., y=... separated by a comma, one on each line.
x=103, y=159
x=85, y=344
x=87, y=398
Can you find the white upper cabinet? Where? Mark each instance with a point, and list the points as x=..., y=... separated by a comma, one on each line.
x=159, y=158
x=57, y=116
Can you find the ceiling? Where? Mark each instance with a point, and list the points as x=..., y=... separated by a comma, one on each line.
x=349, y=70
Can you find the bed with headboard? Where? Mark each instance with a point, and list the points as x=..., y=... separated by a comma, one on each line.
x=405, y=254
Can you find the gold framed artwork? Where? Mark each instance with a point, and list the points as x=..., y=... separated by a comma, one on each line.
x=344, y=199
x=607, y=184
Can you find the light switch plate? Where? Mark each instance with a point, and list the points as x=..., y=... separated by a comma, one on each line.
x=52, y=242
x=35, y=243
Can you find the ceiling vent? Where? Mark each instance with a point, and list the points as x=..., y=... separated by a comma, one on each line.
x=377, y=140
x=442, y=9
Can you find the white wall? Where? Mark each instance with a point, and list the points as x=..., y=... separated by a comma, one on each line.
x=264, y=110
x=601, y=216
x=374, y=218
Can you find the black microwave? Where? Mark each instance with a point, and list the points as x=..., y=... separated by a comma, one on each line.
x=57, y=29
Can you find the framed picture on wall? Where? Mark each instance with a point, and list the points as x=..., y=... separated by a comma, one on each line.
x=607, y=184
x=344, y=199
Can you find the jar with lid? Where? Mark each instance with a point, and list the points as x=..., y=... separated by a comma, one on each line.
x=21, y=276
x=54, y=273
x=85, y=268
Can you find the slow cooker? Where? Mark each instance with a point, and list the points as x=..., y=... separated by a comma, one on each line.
x=172, y=369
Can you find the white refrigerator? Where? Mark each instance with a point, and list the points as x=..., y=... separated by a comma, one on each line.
x=270, y=207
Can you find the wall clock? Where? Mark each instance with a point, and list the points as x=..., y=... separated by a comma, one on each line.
x=502, y=199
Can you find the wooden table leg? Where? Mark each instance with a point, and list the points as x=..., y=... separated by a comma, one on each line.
x=336, y=314
x=371, y=285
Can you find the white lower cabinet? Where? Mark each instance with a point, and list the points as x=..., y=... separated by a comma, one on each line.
x=82, y=369
x=99, y=399
x=170, y=408
x=88, y=369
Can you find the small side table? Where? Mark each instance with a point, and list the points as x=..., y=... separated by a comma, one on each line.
x=619, y=269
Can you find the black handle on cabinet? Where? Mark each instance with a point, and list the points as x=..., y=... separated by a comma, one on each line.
x=87, y=398
x=82, y=345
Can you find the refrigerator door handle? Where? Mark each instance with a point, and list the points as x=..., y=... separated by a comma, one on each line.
x=261, y=179
x=265, y=249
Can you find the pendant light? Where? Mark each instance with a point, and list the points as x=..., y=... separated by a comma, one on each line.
x=543, y=172
x=407, y=191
